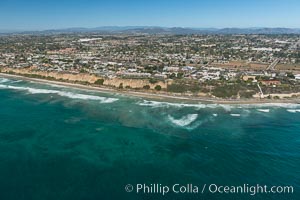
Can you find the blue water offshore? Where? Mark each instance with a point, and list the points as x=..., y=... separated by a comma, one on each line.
x=65, y=143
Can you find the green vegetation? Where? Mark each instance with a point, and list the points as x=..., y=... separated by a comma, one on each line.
x=82, y=82
x=82, y=71
x=172, y=76
x=290, y=75
x=146, y=87
x=158, y=88
x=153, y=81
x=99, y=82
x=246, y=94
x=40, y=77
x=276, y=97
x=226, y=91
x=180, y=75
x=181, y=88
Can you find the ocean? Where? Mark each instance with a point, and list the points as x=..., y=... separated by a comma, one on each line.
x=65, y=143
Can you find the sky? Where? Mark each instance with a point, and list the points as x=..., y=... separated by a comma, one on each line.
x=55, y=14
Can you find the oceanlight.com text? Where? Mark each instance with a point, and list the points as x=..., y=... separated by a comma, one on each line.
x=247, y=189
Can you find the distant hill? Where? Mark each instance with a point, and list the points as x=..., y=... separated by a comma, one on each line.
x=259, y=31
x=163, y=30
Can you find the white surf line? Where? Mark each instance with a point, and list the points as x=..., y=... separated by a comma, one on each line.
x=294, y=110
x=61, y=93
x=264, y=110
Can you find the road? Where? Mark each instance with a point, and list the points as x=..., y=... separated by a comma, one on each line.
x=273, y=64
x=294, y=46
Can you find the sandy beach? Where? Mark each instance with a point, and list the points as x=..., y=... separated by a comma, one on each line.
x=155, y=96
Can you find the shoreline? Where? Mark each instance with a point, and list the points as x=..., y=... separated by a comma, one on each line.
x=152, y=96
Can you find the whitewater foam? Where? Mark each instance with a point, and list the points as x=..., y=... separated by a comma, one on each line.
x=264, y=110
x=293, y=110
x=184, y=121
x=235, y=115
x=18, y=81
x=61, y=93
x=4, y=80
x=158, y=104
x=226, y=107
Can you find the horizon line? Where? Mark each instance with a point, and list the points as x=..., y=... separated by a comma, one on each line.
x=141, y=26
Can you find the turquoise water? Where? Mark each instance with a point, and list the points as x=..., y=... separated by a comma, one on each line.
x=63, y=143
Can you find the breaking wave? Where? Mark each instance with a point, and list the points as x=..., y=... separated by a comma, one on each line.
x=18, y=81
x=226, y=107
x=264, y=110
x=293, y=110
x=4, y=80
x=157, y=104
x=279, y=105
x=61, y=93
x=184, y=121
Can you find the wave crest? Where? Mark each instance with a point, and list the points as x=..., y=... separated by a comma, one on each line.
x=293, y=110
x=264, y=110
x=235, y=115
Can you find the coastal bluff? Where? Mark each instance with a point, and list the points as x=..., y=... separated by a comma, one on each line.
x=88, y=78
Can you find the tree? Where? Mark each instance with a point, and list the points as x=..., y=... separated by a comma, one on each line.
x=158, y=88
x=121, y=86
x=99, y=82
x=153, y=81
x=180, y=75
x=290, y=75
x=146, y=87
x=276, y=97
x=172, y=76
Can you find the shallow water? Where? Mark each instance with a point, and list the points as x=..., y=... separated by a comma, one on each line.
x=65, y=143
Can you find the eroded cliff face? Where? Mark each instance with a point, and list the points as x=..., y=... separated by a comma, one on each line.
x=114, y=82
x=133, y=83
